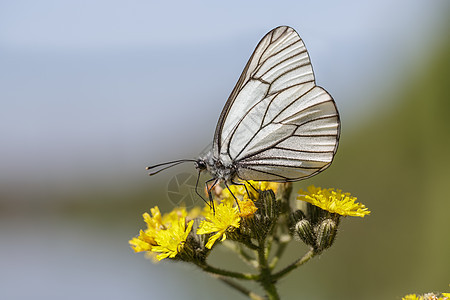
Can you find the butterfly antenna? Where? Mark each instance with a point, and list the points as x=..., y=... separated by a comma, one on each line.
x=168, y=165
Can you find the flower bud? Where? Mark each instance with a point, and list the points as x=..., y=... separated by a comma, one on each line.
x=326, y=233
x=315, y=214
x=305, y=231
x=194, y=249
x=267, y=205
x=296, y=216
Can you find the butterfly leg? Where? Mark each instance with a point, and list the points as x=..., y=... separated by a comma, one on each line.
x=235, y=199
x=211, y=200
x=252, y=187
x=196, y=190
x=245, y=186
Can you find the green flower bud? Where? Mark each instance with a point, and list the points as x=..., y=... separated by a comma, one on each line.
x=315, y=214
x=305, y=231
x=264, y=218
x=194, y=249
x=326, y=233
x=268, y=206
x=295, y=217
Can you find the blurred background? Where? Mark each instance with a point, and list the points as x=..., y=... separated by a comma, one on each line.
x=92, y=92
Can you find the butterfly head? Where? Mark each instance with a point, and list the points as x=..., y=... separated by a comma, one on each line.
x=200, y=165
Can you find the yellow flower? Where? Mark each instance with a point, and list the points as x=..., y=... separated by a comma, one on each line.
x=333, y=201
x=225, y=218
x=146, y=239
x=171, y=241
x=165, y=234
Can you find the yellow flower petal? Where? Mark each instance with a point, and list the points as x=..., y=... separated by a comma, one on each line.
x=212, y=240
x=226, y=217
x=171, y=241
x=165, y=234
x=334, y=201
x=139, y=245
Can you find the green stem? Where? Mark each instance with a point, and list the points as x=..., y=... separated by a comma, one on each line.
x=268, y=248
x=214, y=270
x=250, y=245
x=265, y=277
x=310, y=254
x=238, y=287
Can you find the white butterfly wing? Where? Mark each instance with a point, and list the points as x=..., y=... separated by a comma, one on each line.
x=277, y=124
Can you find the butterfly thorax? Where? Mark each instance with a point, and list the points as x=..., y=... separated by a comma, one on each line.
x=218, y=169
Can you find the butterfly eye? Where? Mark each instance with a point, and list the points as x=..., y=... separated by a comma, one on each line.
x=200, y=165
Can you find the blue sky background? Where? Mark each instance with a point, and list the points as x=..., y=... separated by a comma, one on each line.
x=93, y=91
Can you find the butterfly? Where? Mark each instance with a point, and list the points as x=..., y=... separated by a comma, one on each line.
x=277, y=125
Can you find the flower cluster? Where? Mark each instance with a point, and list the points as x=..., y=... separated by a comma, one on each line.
x=242, y=213
x=168, y=235
x=254, y=217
